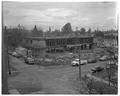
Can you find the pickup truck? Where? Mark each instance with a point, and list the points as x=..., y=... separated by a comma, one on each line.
x=76, y=62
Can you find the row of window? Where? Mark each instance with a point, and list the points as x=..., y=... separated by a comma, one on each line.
x=53, y=42
x=62, y=42
x=77, y=48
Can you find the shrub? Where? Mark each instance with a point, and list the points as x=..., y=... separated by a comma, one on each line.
x=101, y=88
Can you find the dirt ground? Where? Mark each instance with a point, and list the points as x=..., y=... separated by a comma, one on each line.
x=36, y=79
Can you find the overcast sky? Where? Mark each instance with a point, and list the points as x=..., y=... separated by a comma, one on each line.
x=80, y=14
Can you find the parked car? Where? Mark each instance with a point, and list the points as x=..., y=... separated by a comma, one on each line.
x=29, y=60
x=48, y=60
x=15, y=54
x=10, y=52
x=59, y=60
x=103, y=58
x=38, y=60
x=97, y=69
x=92, y=60
x=76, y=62
x=83, y=62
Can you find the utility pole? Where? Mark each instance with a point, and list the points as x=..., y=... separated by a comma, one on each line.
x=4, y=71
x=8, y=62
x=79, y=65
x=7, y=55
x=79, y=48
x=4, y=65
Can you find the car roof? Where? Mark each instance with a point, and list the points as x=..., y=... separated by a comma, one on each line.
x=74, y=61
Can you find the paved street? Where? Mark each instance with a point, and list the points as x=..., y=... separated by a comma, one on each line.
x=40, y=79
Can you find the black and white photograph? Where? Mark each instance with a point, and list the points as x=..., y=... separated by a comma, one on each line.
x=59, y=48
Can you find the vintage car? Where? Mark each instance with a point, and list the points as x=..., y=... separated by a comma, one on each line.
x=97, y=69
x=76, y=62
x=29, y=60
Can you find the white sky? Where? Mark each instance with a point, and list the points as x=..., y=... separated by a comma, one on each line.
x=44, y=14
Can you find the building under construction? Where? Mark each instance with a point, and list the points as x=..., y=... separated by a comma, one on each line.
x=41, y=45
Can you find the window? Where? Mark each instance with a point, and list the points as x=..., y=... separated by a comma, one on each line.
x=80, y=40
x=90, y=47
x=87, y=46
x=82, y=47
x=67, y=41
